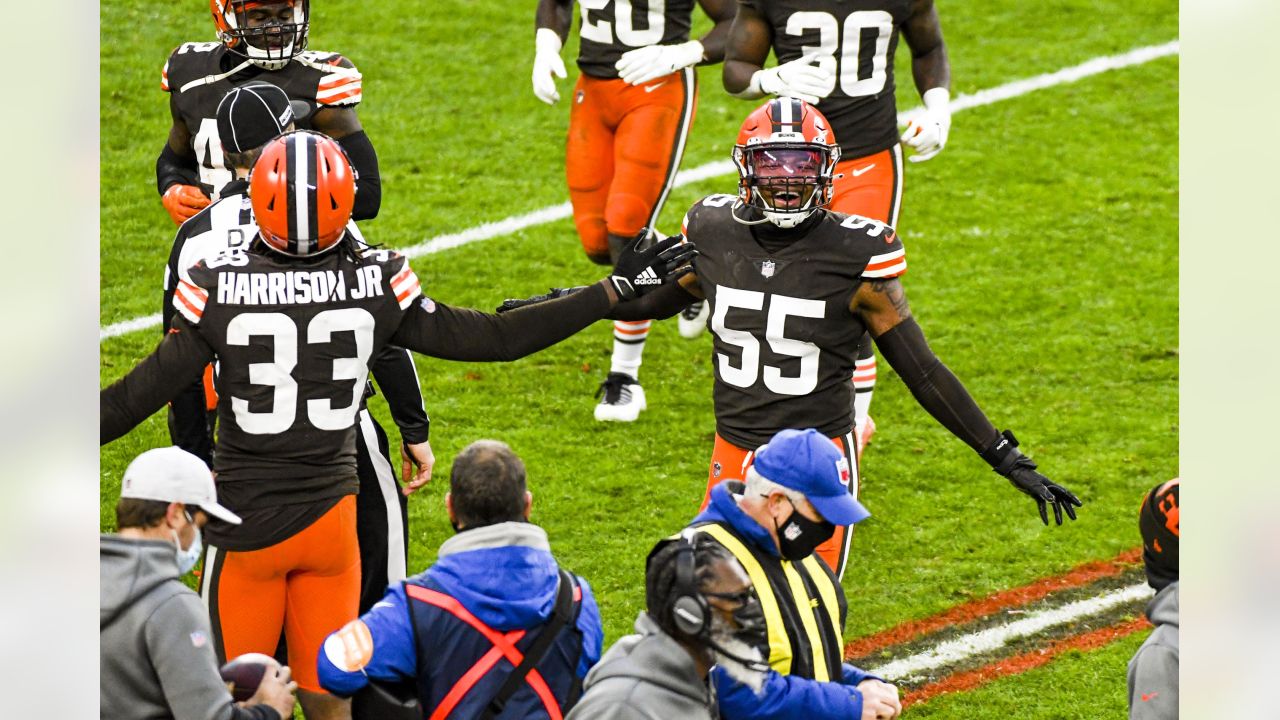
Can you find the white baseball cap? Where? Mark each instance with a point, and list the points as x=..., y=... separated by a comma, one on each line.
x=171, y=474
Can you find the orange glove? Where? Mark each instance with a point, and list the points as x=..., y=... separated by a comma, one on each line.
x=183, y=202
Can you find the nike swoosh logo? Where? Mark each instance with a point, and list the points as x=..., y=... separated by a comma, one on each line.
x=859, y=171
x=1146, y=697
x=651, y=88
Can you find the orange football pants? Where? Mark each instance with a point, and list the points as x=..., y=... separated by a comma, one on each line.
x=624, y=148
x=307, y=585
x=730, y=462
x=870, y=186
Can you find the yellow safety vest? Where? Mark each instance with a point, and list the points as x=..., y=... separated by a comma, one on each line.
x=804, y=607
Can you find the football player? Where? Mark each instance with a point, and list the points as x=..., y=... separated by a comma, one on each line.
x=258, y=40
x=838, y=55
x=631, y=112
x=292, y=322
x=792, y=286
x=247, y=118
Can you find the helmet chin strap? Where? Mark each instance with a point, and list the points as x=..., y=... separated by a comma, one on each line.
x=733, y=212
x=210, y=79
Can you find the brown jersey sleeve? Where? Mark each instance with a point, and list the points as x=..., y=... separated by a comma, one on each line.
x=451, y=333
x=176, y=363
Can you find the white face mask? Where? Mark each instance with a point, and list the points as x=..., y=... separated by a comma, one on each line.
x=188, y=558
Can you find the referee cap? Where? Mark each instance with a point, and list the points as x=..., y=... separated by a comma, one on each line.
x=171, y=474
x=251, y=114
x=809, y=462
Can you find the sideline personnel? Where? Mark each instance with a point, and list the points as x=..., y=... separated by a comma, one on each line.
x=496, y=601
x=1153, y=671
x=156, y=654
x=795, y=495
x=700, y=612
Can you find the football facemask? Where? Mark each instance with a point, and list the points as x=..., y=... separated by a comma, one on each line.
x=268, y=33
x=786, y=158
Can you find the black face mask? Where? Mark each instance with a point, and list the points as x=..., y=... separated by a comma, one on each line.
x=799, y=536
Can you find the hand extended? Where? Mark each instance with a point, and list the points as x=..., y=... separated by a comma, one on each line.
x=1006, y=459
x=641, y=271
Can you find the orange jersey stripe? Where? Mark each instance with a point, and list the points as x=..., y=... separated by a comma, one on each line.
x=201, y=294
x=408, y=291
x=336, y=98
x=197, y=311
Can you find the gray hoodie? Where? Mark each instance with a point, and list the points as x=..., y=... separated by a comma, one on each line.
x=1153, y=671
x=648, y=676
x=155, y=644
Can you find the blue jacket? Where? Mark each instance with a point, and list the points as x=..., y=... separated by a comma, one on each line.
x=785, y=697
x=502, y=574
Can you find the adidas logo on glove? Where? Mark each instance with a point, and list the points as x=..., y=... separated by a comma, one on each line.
x=648, y=277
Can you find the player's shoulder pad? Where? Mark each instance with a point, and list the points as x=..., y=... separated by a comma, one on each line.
x=187, y=61
x=191, y=294
x=340, y=82
x=708, y=204
x=886, y=256
x=398, y=275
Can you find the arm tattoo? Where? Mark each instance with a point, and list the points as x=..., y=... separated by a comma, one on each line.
x=891, y=290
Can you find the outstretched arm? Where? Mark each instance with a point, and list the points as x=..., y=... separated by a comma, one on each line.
x=176, y=363
x=451, y=333
x=882, y=304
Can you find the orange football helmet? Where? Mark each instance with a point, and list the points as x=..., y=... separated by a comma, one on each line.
x=268, y=33
x=786, y=157
x=302, y=189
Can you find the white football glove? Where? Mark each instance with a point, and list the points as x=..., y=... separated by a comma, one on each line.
x=547, y=65
x=927, y=133
x=641, y=65
x=804, y=79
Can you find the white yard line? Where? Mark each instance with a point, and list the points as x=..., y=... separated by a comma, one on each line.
x=953, y=651
x=709, y=170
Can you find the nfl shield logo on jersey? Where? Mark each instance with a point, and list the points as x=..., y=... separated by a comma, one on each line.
x=767, y=268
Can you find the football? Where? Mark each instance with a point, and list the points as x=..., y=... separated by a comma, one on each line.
x=243, y=674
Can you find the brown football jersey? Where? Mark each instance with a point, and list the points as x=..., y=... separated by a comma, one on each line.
x=293, y=341
x=784, y=338
x=195, y=75
x=857, y=40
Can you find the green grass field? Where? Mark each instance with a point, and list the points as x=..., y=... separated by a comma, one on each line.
x=1043, y=251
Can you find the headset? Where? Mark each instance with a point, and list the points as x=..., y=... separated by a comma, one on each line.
x=688, y=609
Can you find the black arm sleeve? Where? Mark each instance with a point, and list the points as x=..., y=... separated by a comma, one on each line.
x=173, y=169
x=934, y=386
x=660, y=304
x=465, y=334
x=179, y=360
x=369, y=185
x=398, y=379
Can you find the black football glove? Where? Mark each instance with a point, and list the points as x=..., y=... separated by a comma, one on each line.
x=640, y=271
x=552, y=294
x=1006, y=459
